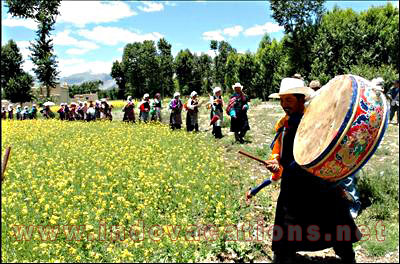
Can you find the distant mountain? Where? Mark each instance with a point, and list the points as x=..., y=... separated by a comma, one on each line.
x=79, y=78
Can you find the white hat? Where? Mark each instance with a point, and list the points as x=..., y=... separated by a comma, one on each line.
x=377, y=81
x=129, y=98
x=315, y=84
x=176, y=94
x=193, y=94
x=274, y=96
x=294, y=86
x=25, y=107
x=146, y=95
x=237, y=85
x=216, y=90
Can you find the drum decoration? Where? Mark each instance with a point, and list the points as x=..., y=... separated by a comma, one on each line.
x=341, y=128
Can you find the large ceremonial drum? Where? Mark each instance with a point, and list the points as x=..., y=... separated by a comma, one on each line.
x=341, y=128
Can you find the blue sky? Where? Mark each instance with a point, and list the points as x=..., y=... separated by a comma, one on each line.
x=90, y=35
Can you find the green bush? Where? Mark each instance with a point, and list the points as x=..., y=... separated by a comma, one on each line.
x=387, y=72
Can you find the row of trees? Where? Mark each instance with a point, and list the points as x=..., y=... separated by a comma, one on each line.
x=317, y=44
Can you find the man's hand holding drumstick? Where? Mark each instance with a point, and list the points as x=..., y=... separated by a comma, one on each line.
x=272, y=165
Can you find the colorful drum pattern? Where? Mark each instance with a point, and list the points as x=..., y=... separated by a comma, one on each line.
x=357, y=138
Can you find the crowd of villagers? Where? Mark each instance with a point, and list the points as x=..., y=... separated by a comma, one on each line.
x=150, y=110
x=87, y=111
x=236, y=109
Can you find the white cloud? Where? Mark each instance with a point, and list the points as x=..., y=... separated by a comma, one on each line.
x=151, y=7
x=81, y=13
x=219, y=34
x=210, y=53
x=23, y=48
x=169, y=3
x=114, y=35
x=257, y=30
x=80, y=46
x=25, y=52
x=233, y=31
x=213, y=35
x=68, y=67
x=19, y=22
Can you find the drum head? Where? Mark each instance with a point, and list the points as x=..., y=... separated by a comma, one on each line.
x=322, y=120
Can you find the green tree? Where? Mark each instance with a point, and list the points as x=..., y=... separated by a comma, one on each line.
x=224, y=48
x=44, y=12
x=247, y=69
x=273, y=66
x=231, y=75
x=300, y=19
x=337, y=44
x=117, y=72
x=380, y=35
x=166, y=62
x=184, y=64
x=15, y=83
x=347, y=39
x=141, y=68
x=85, y=88
x=205, y=68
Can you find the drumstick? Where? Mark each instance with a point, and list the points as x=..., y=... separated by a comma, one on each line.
x=4, y=163
x=252, y=157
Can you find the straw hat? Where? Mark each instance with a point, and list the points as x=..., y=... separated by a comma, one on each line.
x=274, y=96
x=294, y=86
x=315, y=85
x=216, y=90
x=237, y=85
x=194, y=93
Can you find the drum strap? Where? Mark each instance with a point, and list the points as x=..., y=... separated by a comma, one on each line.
x=280, y=130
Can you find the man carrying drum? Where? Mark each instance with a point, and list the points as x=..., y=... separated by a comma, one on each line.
x=310, y=215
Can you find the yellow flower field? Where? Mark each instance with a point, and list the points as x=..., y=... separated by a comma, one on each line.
x=151, y=183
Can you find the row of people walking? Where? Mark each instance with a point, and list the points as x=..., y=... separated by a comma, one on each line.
x=20, y=113
x=88, y=111
x=236, y=109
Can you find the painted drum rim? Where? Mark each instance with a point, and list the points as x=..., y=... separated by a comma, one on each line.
x=346, y=124
x=375, y=145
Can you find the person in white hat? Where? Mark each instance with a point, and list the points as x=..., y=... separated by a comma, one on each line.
x=304, y=199
x=144, y=107
x=155, y=108
x=18, y=112
x=105, y=110
x=192, y=118
x=3, y=113
x=61, y=111
x=25, y=113
x=175, y=106
x=237, y=110
x=315, y=85
x=129, y=110
x=33, y=112
x=217, y=112
x=10, y=111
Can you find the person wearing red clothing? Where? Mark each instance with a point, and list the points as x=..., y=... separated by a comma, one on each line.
x=144, y=107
